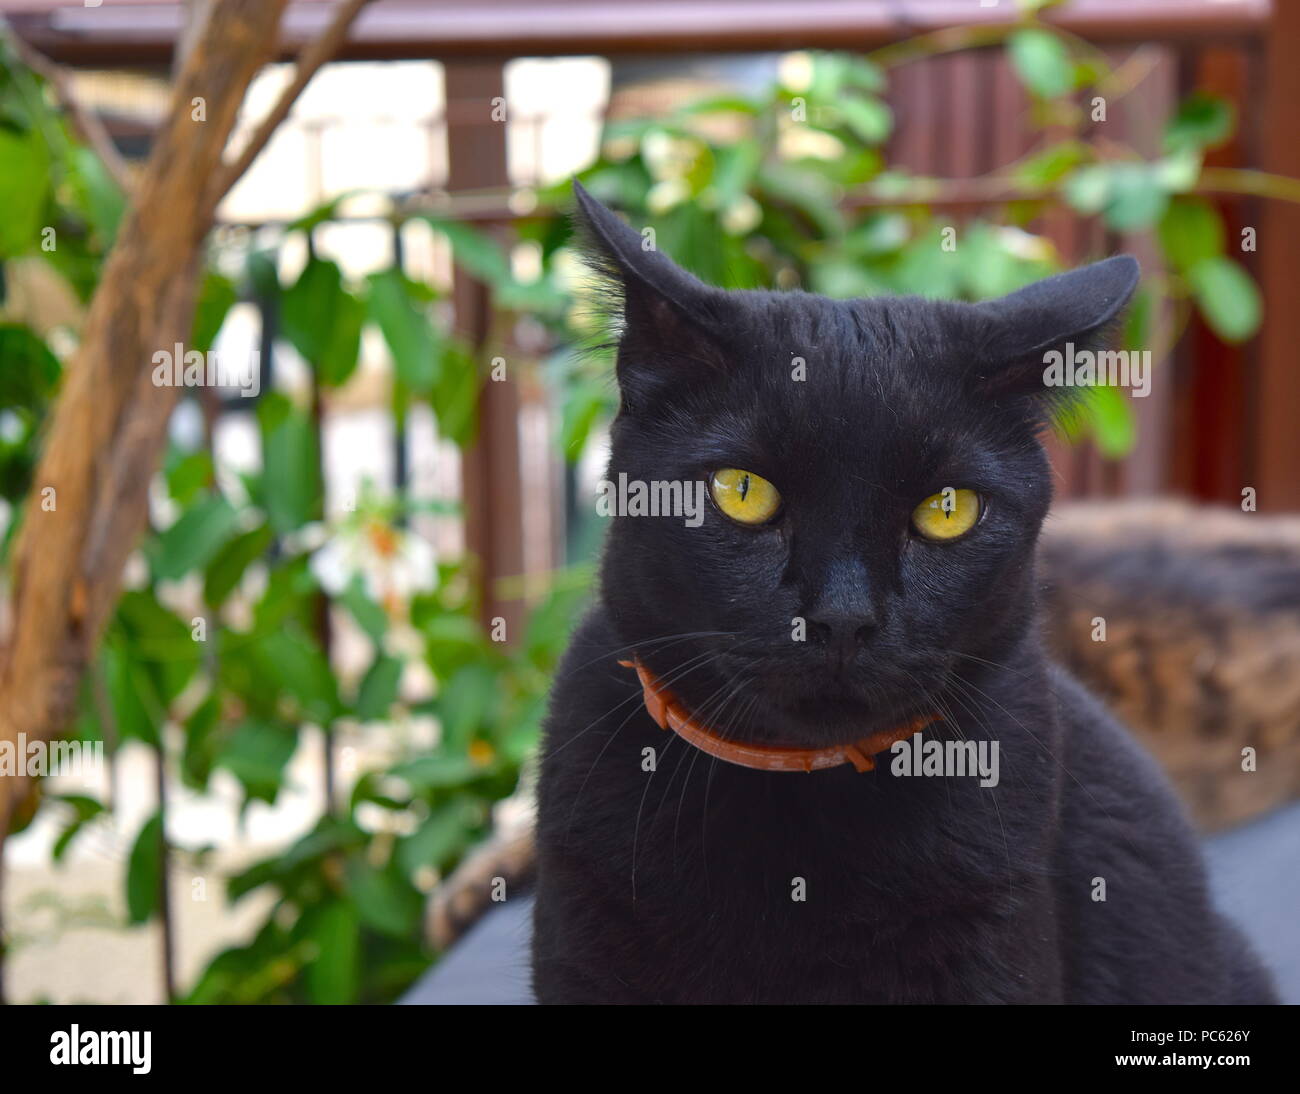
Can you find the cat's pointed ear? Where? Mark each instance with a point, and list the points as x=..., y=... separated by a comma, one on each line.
x=1080, y=307
x=666, y=313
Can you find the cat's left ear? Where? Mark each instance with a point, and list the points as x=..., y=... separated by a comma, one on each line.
x=1080, y=307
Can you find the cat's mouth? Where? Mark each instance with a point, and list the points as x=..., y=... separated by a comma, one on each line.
x=813, y=704
x=671, y=713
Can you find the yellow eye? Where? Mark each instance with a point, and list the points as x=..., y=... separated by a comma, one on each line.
x=745, y=497
x=948, y=514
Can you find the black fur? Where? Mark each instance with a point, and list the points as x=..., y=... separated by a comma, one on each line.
x=676, y=885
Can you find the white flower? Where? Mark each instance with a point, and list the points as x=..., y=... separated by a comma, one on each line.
x=666, y=195
x=741, y=216
x=393, y=564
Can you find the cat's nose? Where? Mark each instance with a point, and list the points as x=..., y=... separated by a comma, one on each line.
x=843, y=631
x=844, y=617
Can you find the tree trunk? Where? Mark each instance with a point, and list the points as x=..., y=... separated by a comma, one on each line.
x=89, y=494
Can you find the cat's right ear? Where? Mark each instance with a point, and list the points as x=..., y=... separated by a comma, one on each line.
x=666, y=314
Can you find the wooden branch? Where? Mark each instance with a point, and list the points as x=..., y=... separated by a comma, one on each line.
x=87, y=126
x=313, y=55
x=460, y=901
x=89, y=492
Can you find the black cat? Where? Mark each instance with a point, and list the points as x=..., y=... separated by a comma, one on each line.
x=865, y=559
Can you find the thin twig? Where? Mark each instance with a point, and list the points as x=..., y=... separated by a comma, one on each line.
x=86, y=124
x=313, y=55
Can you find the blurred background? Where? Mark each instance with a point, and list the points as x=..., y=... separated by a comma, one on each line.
x=321, y=687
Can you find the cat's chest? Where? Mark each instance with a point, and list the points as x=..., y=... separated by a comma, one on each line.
x=751, y=885
x=775, y=849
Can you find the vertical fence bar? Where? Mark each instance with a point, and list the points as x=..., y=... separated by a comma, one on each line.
x=1275, y=464
x=490, y=474
x=401, y=466
x=324, y=622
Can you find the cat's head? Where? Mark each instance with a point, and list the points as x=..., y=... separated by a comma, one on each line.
x=873, y=486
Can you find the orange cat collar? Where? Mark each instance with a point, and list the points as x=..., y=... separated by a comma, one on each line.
x=669, y=713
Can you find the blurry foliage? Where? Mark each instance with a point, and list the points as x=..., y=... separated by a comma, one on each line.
x=744, y=191
x=791, y=189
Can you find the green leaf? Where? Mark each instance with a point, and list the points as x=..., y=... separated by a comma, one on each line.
x=228, y=565
x=384, y=899
x=1053, y=163
x=474, y=251
x=716, y=104
x=216, y=297
x=854, y=167
x=1137, y=198
x=410, y=336
x=199, y=752
x=378, y=689
x=323, y=321
x=988, y=268
x=306, y=859
x=132, y=696
x=369, y=615
x=333, y=976
x=1202, y=121
x=927, y=269
x=1138, y=320
x=290, y=467
x=833, y=72
x=97, y=194
x=298, y=667
x=1190, y=232
x=845, y=278
x=1178, y=171
x=451, y=640
x=256, y=754
x=263, y=277
x=144, y=872
x=1227, y=297
x=322, y=214
x=734, y=171
x=864, y=74
x=464, y=703
x=24, y=190
x=437, y=772
x=29, y=372
x=443, y=835
x=195, y=538
x=878, y=234
x=1042, y=62
x=84, y=809
x=812, y=194
x=1111, y=419
x=306, y=308
x=188, y=474
x=870, y=119
x=160, y=645
x=455, y=395
x=342, y=351
x=1088, y=189
x=585, y=403
x=1131, y=195
x=292, y=595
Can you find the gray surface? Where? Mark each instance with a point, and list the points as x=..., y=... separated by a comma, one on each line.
x=1255, y=875
x=488, y=966
x=1254, y=872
